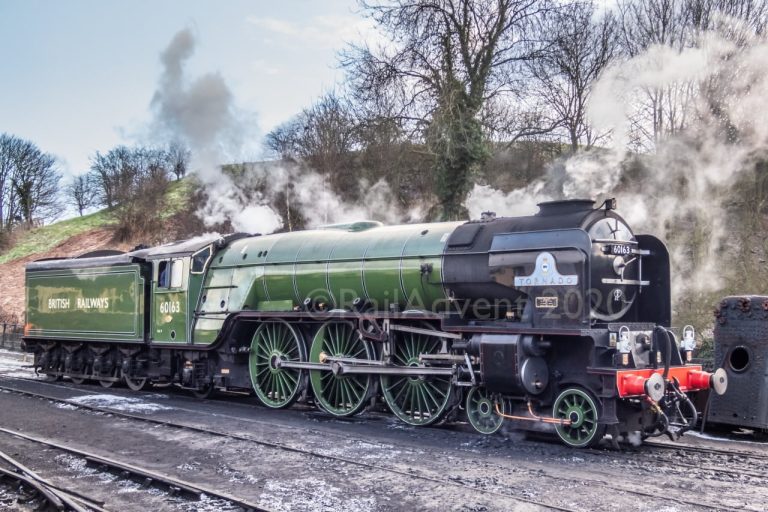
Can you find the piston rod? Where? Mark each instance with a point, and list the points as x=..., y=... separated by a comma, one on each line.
x=339, y=368
x=393, y=370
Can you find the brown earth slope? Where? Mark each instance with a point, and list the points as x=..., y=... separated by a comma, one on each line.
x=12, y=273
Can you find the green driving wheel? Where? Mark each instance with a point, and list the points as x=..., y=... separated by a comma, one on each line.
x=581, y=409
x=275, y=342
x=481, y=411
x=340, y=395
x=416, y=399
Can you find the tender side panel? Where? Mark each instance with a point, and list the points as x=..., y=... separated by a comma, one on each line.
x=100, y=303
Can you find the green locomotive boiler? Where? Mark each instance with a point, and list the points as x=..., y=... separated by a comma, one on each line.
x=559, y=319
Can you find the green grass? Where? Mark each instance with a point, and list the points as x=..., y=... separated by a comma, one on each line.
x=45, y=238
x=178, y=195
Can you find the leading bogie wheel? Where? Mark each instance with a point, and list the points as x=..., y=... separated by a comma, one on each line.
x=481, y=411
x=416, y=399
x=340, y=395
x=582, y=411
x=275, y=342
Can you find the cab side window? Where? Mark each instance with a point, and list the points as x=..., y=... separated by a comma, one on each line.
x=199, y=259
x=177, y=273
x=163, y=274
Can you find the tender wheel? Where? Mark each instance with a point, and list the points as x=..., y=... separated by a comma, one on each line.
x=272, y=343
x=137, y=384
x=578, y=406
x=417, y=400
x=340, y=395
x=204, y=392
x=481, y=411
x=77, y=380
x=107, y=383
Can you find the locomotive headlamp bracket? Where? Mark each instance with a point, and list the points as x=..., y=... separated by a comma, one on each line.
x=625, y=344
x=688, y=343
x=689, y=338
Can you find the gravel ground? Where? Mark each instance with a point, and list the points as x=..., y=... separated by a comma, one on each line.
x=301, y=459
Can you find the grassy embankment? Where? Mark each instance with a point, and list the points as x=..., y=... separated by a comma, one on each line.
x=43, y=239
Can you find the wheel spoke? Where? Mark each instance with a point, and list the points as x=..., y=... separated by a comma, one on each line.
x=396, y=383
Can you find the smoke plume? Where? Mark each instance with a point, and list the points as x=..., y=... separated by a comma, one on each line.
x=201, y=113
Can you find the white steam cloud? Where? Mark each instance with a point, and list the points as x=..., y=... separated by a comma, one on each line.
x=309, y=193
x=715, y=95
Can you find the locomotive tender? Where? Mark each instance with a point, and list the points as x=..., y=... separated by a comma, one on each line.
x=559, y=319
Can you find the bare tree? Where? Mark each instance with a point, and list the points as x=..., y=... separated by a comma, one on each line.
x=446, y=60
x=678, y=24
x=81, y=192
x=132, y=182
x=324, y=137
x=706, y=14
x=178, y=157
x=28, y=183
x=36, y=185
x=582, y=45
x=7, y=145
x=110, y=172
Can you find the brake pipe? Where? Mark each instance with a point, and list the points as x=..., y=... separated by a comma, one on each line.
x=532, y=417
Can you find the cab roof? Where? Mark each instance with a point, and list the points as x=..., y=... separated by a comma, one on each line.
x=174, y=249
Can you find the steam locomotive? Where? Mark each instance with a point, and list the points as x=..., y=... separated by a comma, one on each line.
x=559, y=320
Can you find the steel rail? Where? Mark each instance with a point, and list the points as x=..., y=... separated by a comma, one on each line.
x=61, y=499
x=173, y=484
x=708, y=450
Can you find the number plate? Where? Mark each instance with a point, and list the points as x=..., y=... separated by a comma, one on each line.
x=546, y=302
x=620, y=249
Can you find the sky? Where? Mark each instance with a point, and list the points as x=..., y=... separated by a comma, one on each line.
x=78, y=76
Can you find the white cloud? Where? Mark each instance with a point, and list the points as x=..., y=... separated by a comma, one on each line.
x=263, y=67
x=329, y=31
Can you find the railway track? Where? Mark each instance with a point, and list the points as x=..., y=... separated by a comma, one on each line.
x=411, y=474
x=679, y=462
x=236, y=401
x=44, y=491
x=281, y=446
x=708, y=450
x=68, y=500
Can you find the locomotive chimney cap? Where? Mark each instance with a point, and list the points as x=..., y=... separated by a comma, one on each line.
x=565, y=206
